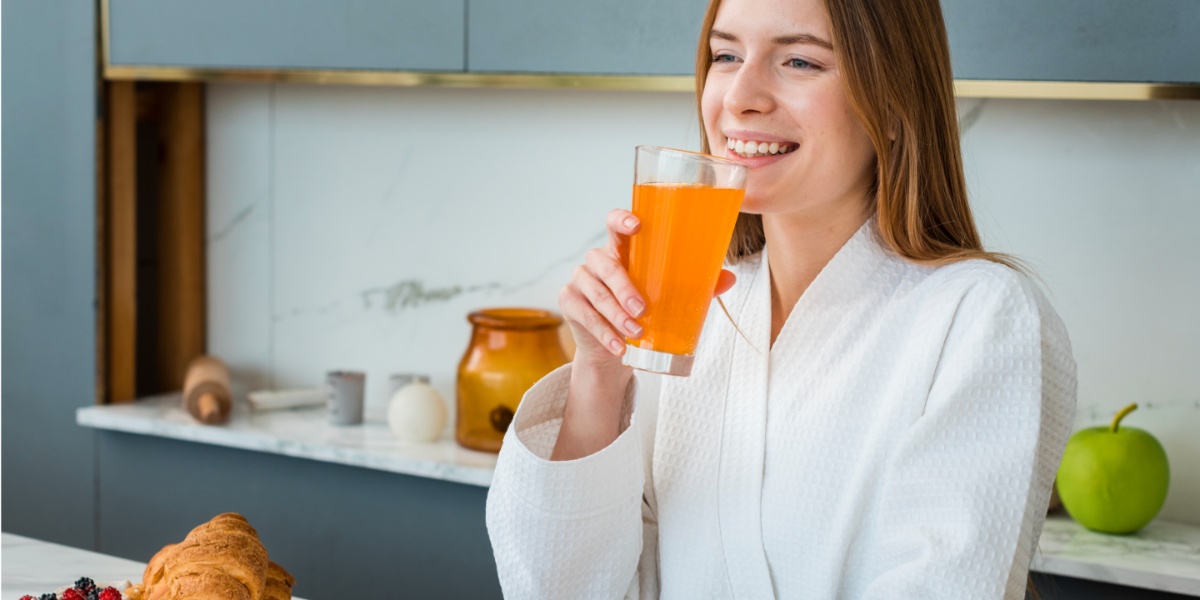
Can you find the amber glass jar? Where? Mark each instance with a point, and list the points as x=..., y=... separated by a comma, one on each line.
x=510, y=350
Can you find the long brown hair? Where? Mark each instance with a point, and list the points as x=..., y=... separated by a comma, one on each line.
x=894, y=59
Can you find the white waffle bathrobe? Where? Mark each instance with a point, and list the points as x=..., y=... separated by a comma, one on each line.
x=899, y=441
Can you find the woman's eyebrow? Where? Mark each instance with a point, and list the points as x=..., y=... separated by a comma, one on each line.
x=782, y=40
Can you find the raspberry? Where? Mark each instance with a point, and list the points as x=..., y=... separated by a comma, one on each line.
x=71, y=594
x=27, y=597
x=110, y=593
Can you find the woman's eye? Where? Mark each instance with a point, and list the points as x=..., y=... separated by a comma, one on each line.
x=723, y=58
x=800, y=63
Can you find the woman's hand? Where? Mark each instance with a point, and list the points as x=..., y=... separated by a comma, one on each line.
x=601, y=304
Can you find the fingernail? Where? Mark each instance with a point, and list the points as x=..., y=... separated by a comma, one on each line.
x=630, y=222
x=616, y=346
x=633, y=328
x=635, y=307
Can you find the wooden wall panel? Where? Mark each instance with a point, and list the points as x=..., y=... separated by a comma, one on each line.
x=180, y=232
x=119, y=283
x=152, y=227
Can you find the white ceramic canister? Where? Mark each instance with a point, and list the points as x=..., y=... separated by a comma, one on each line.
x=417, y=413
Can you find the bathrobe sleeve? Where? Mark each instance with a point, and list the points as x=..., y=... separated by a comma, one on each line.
x=583, y=528
x=965, y=495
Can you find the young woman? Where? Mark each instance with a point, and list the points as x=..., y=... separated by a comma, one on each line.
x=891, y=424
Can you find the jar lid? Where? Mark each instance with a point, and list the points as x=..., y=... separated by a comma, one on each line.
x=515, y=318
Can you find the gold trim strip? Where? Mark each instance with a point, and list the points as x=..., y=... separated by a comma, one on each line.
x=964, y=88
x=1075, y=90
x=666, y=83
x=104, y=35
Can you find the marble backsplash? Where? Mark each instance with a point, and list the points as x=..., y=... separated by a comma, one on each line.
x=355, y=227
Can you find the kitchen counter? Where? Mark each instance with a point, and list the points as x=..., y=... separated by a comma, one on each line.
x=35, y=567
x=1163, y=556
x=301, y=433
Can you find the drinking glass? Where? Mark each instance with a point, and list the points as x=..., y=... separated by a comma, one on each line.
x=687, y=203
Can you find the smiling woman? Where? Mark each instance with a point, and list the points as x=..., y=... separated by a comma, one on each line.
x=886, y=417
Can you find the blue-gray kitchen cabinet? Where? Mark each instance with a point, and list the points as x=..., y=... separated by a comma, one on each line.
x=405, y=35
x=626, y=37
x=1075, y=40
x=1015, y=40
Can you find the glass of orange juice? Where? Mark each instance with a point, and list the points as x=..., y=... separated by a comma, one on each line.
x=687, y=203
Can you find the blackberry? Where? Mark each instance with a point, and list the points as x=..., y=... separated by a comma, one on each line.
x=84, y=584
x=50, y=596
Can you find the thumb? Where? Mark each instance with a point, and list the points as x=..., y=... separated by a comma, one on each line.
x=724, y=281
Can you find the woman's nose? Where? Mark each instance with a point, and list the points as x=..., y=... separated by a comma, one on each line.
x=749, y=91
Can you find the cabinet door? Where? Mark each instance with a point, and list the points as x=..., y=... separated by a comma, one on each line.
x=1075, y=40
x=288, y=34
x=627, y=37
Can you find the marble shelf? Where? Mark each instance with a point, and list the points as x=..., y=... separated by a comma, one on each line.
x=1163, y=556
x=302, y=433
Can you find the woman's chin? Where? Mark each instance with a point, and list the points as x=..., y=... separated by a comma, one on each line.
x=755, y=202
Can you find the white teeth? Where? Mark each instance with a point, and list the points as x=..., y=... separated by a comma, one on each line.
x=751, y=149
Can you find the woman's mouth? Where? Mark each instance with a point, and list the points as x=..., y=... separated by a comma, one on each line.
x=754, y=149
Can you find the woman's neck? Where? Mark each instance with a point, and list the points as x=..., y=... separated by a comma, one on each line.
x=800, y=247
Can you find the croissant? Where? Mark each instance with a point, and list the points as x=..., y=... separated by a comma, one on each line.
x=279, y=583
x=218, y=560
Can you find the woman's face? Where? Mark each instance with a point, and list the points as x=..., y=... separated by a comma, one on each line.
x=774, y=86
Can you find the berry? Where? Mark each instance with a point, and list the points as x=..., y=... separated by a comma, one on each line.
x=27, y=597
x=94, y=594
x=71, y=594
x=110, y=593
x=50, y=596
x=84, y=585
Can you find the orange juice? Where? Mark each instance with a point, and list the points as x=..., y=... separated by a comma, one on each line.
x=676, y=257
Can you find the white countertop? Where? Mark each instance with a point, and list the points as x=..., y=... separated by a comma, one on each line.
x=302, y=433
x=35, y=567
x=1163, y=556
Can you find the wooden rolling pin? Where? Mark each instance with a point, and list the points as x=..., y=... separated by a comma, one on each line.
x=206, y=392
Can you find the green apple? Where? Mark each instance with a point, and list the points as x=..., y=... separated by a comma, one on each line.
x=1113, y=479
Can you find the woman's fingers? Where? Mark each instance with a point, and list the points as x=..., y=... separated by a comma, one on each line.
x=621, y=224
x=601, y=302
x=611, y=272
x=724, y=281
x=580, y=311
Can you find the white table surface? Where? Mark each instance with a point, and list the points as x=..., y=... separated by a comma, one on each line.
x=35, y=567
x=302, y=433
x=1163, y=556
